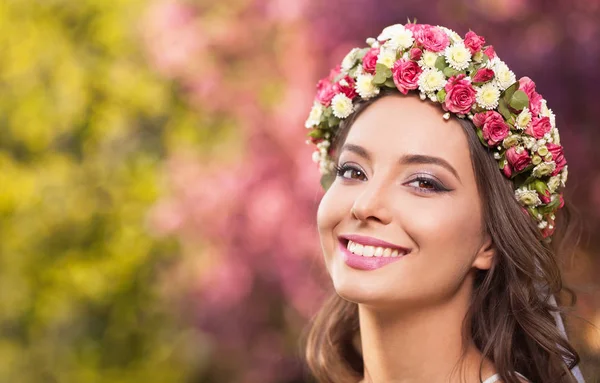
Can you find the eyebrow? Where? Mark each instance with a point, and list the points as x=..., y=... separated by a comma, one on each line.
x=407, y=159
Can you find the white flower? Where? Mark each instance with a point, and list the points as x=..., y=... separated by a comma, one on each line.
x=542, y=224
x=504, y=77
x=397, y=36
x=365, y=87
x=431, y=80
x=428, y=59
x=511, y=140
x=350, y=59
x=523, y=119
x=386, y=57
x=488, y=96
x=564, y=174
x=373, y=43
x=314, y=117
x=555, y=136
x=527, y=197
x=454, y=37
x=553, y=183
x=543, y=169
x=341, y=105
x=458, y=56
x=326, y=165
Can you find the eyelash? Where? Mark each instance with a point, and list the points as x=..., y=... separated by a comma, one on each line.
x=437, y=187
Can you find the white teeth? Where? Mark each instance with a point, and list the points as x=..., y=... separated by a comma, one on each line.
x=371, y=251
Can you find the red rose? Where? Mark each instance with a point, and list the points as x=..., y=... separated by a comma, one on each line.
x=460, y=95
x=483, y=75
x=473, y=41
x=518, y=161
x=535, y=99
x=432, y=38
x=345, y=86
x=369, y=61
x=493, y=126
x=406, y=75
x=507, y=170
x=557, y=156
x=490, y=52
x=325, y=91
x=562, y=201
x=539, y=127
x=548, y=230
x=415, y=54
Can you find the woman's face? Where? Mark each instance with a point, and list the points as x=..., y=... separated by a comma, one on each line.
x=406, y=178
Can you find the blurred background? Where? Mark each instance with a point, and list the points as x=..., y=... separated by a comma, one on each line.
x=157, y=199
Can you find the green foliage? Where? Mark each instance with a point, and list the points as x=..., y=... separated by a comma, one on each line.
x=84, y=126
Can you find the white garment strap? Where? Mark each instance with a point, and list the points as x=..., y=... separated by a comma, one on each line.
x=496, y=377
x=561, y=326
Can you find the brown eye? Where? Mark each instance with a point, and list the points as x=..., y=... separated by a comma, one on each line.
x=350, y=172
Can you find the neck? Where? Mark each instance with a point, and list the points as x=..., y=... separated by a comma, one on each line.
x=421, y=344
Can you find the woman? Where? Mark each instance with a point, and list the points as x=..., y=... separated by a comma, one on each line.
x=443, y=177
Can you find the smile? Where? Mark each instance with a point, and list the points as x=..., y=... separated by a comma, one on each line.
x=372, y=251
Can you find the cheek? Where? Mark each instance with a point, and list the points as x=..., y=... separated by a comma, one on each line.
x=446, y=228
x=332, y=209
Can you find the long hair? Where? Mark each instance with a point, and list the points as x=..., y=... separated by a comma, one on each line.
x=509, y=317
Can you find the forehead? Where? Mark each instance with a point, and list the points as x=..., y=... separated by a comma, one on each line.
x=397, y=125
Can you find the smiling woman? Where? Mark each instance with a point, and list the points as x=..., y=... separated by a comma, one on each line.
x=439, y=271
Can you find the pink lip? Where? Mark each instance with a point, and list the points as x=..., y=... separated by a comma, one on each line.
x=367, y=263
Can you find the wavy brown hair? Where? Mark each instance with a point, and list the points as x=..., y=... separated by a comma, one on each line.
x=509, y=318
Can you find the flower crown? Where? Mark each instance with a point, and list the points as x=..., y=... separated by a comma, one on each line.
x=470, y=81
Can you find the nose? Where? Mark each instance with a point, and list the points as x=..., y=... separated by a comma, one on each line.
x=372, y=204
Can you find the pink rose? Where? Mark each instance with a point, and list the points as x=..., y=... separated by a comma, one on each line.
x=460, y=95
x=334, y=72
x=518, y=161
x=507, y=170
x=415, y=54
x=545, y=198
x=539, y=127
x=406, y=75
x=414, y=28
x=490, y=52
x=345, y=86
x=557, y=156
x=548, y=231
x=325, y=91
x=369, y=61
x=473, y=41
x=535, y=99
x=562, y=201
x=483, y=75
x=493, y=127
x=432, y=38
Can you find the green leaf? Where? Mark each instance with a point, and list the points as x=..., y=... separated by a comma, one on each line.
x=540, y=186
x=503, y=109
x=480, y=135
x=327, y=180
x=441, y=96
x=508, y=93
x=381, y=74
x=449, y=72
x=332, y=121
x=485, y=59
x=501, y=162
x=316, y=133
x=519, y=100
x=441, y=63
x=390, y=83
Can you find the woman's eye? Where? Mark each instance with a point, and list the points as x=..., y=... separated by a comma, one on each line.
x=427, y=185
x=350, y=172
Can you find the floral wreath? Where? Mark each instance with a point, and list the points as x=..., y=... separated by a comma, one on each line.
x=470, y=81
